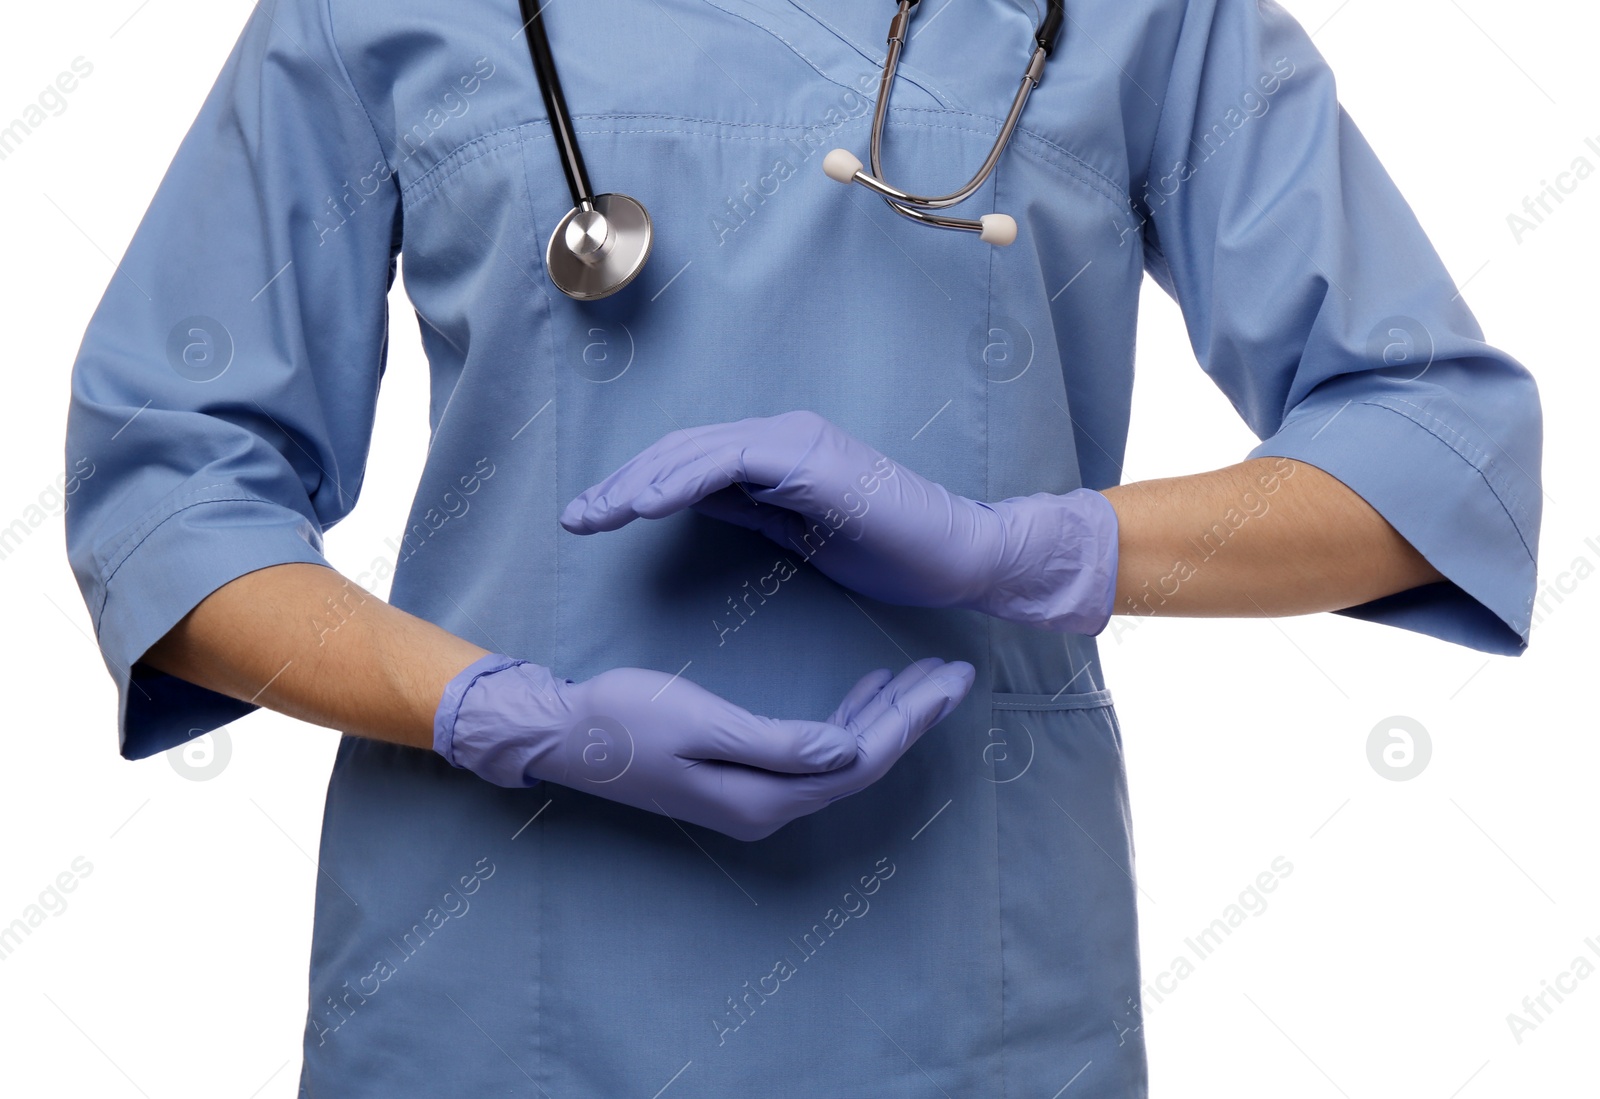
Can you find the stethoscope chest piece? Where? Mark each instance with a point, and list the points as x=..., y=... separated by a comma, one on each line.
x=599, y=247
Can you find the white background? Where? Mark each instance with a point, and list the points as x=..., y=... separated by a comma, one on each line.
x=1419, y=913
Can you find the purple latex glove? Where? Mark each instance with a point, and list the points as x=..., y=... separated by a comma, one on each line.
x=663, y=744
x=873, y=525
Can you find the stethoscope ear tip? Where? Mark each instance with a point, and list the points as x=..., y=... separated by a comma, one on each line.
x=999, y=229
x=841, y=165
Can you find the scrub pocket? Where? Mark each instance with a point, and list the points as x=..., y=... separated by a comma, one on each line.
x=1069, y=925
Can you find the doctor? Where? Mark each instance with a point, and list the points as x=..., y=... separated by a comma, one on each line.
x=642, y=793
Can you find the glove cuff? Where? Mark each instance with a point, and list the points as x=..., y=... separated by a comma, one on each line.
x=1062, y=568
x=449, y=708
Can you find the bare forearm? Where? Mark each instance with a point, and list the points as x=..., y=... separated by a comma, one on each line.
x=305, y=641
x=1269, y=536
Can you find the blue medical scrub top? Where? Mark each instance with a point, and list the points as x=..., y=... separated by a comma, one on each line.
x=966, y=926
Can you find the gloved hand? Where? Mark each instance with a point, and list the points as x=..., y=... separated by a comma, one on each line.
x=666, y=745
x=873, y=525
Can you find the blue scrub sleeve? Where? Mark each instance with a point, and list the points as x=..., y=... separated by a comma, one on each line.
x=224, y=391
x=1315, y=301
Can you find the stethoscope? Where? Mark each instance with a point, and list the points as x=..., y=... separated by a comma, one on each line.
x=602, y=244
x=844, y=166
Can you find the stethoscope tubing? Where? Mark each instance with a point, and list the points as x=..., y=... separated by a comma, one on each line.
x=922, y=208
x=555, y=105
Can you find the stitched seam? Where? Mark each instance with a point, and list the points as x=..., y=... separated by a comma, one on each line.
x=988, y=494
x=434, y=177
x=333, y=39
x=840, y=35
x=794, y=49
x=105, y=585
x=1145, y=214
x=1116, y=196
x=1166, y=98
x=1495, y=492
x=154, y=517
x=1467, y=449
x=1094, y=177
x=1000, y=922
x=543, y=124
x=788, y=44
x=1117, y=189
x=457, y=160
x=557, y=634
x=114, y=569
x=1090, y=700
x=910, y=73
